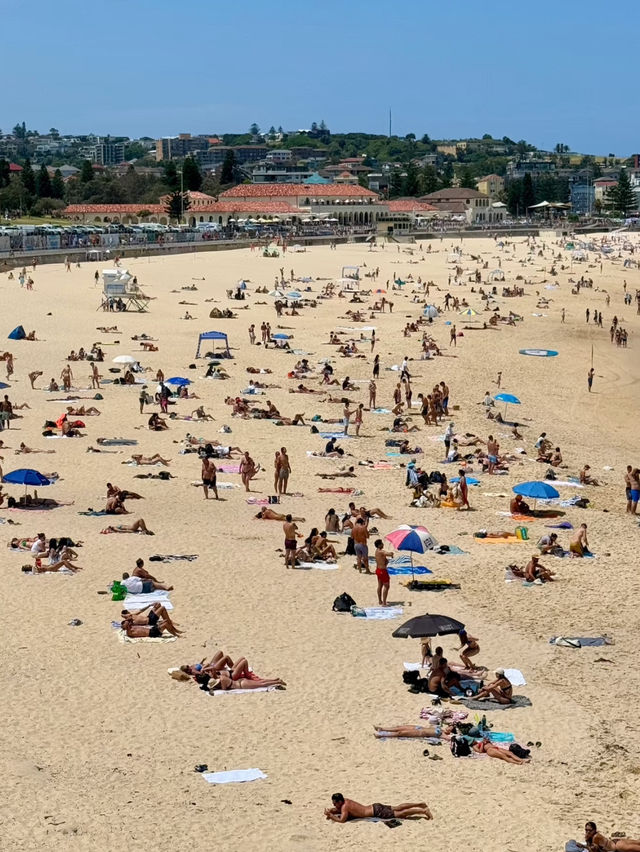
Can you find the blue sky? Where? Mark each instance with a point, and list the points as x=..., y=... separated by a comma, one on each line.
x=546, y=72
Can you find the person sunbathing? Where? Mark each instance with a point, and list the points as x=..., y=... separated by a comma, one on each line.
x=24, y=449
x=303, y=389
x=136, y=526
x=597, y=842
x=535, y=571
x=348, y=473
x=150, y=615
x=267, y=514
x=156, y=458
x=81, y=411
x=410, y=731
x=499, y=689
x=240, y=677
x=141, y=582
x=345, y=809
x=485, y=746
x=57, y=557
x=148, y=631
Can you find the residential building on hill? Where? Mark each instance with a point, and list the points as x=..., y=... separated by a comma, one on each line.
x=491, y=185
x=108, y=153
x=476, y=207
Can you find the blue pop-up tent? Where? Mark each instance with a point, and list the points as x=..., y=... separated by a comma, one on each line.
x=17, y=334
x=214, y=335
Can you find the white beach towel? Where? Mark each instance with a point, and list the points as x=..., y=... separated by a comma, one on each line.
x=321, y=566
x=383, y=612
x=233, y=776
x=139, y=601
x=412, y=667
x=243, y=691
x=515, y=677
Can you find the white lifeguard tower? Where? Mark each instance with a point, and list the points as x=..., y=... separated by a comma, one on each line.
x=118, y=289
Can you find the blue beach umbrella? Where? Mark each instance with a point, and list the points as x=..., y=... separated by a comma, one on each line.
x=26, y=476
x=177, y=380
x=294, y=296
x=508, y=399
x=537, y=490
x=3, y=385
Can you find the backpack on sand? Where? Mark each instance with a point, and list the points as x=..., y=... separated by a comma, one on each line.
x=460, y=747
x=343, y=603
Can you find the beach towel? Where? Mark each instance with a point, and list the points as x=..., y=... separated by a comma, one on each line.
x=581, y=641
x=406, y=569
x=563, y=525
x=512, y=539
x=122, y=636
x=381, y=613
x=474, y=704
x=336, y=435
x=431, y=585
x=118, y=442
x=449, y=550
x=136, y=602
x=228, y=468
x=170, y=557
x=233, y=776
x=381, y=411
x=92, y=513
x=217, y=692
x=322, y=566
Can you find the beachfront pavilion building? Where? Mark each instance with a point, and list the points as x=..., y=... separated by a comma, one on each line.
x=474, y=206
x=402, y=215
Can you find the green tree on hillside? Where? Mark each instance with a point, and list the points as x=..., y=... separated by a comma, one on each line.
x=528, y=194
x=228, y=171
x=396, y=184
x=412, y=181
x=57, y=185
x=171, y=175
x=467, y=179
x=5, y=173
x=43, y=183
x=254, y=130
x=28, y=178
x=191, y=176
x=177, y=204
x=621, y=198
x=86, y=172
x=429, y=181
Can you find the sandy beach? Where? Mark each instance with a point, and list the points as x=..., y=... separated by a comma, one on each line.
x=99, y=744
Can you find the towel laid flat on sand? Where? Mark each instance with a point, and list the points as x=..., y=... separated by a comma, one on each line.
x=92, y=513
x=382, y=612
x=581, y=641
x=512, y=539
x=217, y=692
x=233, y=776
x=122, y=636
x=518, y=701
x=136, y=602
x=321, y=566
x=228, y=468
x=337, y=435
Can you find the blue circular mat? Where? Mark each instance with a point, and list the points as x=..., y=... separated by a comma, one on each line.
x=539, y=353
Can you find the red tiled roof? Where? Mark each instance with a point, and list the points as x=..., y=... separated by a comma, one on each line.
x=132, y=209
x=14, y=167
x=231, y=206
x=408, y=206
x=289, y=190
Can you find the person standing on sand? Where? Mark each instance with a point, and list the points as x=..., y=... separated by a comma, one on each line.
x=382, y=560
x=284, y=471
x=276, y=471
x=590, y=378
x=634, y=490
x=372, y=394
x=493, y=448
x=209, y=473
x=360, y=535
x=357, y=419
x=563, y=312
x=95, y=377
x=247, y=470
x=290, y=530
x=464, y=489
x=376, y=367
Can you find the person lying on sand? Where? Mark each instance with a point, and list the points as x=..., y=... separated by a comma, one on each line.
x=410, y=731
x=136, y=526
x=304, y=389
x=348, y=473
x=267, y=514
x=367, y=513
x=241, y=677
x=156, y=458
x=345, y=809
x=488, y=748
x=149, y=631
x=151, y=615
x=123, y=492
x=597, y=842
x=24, y=449
x=59, y=556
x=499, y=689
x=82, y=411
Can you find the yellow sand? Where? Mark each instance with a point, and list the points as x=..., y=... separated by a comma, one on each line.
x=98, y=744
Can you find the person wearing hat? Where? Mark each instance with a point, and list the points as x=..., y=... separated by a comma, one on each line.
x=499, y=689
x=535, y=572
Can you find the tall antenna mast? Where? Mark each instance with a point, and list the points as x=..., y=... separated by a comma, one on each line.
x=389, y=122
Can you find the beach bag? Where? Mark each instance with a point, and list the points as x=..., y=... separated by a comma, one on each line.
x=460, y=747
x=118, y=591
x=350, y=549
x=522, y=533
x=343, y=603
x=519, y=751
x=410, y=677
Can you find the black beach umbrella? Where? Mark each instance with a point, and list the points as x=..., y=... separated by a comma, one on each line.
x=427, y=625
